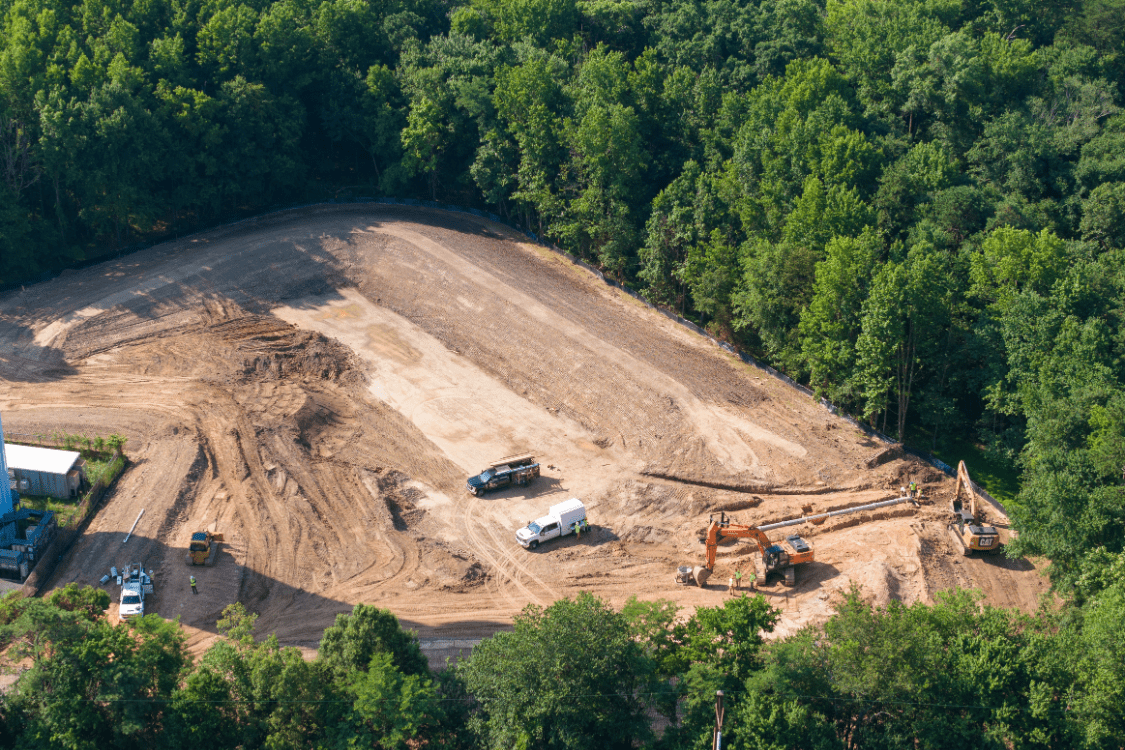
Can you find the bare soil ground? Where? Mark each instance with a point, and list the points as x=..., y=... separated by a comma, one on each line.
x=318, y=385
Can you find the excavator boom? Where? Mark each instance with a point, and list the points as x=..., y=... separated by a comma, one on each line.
x=715, y=530
x=776, y=557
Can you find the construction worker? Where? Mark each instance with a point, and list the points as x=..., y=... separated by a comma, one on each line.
x=730, y=585
x=753, y=581
x=737, y=579
x=578, y=529
x=913, y=490
x=194, y=590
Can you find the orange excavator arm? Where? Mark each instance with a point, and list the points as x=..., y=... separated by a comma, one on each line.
x=736, y=531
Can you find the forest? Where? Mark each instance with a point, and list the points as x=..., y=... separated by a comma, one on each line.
x=578, y=675
x=917, y=207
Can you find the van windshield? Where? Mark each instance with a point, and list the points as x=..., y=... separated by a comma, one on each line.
x=534, y=528
x=131, y=599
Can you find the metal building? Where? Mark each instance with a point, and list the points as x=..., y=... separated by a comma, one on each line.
x=5, y=488
x=45, y=471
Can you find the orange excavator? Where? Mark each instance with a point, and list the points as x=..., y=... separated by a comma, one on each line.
x=777, y=557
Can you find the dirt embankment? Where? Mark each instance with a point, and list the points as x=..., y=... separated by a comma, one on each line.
x=319, y=385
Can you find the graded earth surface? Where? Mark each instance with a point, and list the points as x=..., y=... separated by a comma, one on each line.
x=317, y=385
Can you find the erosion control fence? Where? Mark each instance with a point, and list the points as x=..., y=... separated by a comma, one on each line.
x=87, y=506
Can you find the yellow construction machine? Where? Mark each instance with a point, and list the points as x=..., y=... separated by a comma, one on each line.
x=203, y=548
x=777, y=557
x=970, y=529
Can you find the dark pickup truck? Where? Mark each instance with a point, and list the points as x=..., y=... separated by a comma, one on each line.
x=518, y=470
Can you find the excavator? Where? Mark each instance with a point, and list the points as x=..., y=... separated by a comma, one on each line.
x=969, y=528
x=777, y=557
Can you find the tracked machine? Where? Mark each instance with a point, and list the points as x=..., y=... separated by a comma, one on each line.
x=970, y=529
x=778, y=558
x=203, y=547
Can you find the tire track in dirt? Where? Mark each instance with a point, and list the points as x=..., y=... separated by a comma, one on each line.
x=488, y=553
x=505, y=548
x=725, y=440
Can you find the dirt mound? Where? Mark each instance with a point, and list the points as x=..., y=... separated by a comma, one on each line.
x=318, y=387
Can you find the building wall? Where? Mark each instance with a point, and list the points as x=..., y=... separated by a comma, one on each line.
x=43, y=483
x=5, y=488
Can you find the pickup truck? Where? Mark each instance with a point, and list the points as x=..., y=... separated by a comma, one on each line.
x=504, y=472
x=561, y=519
x=132, y=600
x=135, y=584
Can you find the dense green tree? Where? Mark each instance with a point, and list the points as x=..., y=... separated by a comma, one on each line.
x=904, y=324
x=567, y=676
x=107, y=687
x=832, y=323
x=357, y=638
x=538, y=20
x=1103, y=215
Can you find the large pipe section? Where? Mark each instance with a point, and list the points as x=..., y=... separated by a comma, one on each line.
x=829, y=514
x=134, y=526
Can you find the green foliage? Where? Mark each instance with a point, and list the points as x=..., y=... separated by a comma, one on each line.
x=566, y=677
x=653, y=625
x=727, y=638
x=765, y=722
x=91, y=603
x=579, y=674
x=389, y=708
x=357, y=638
x=831, y=324
x=927, y=675
x=107, y=687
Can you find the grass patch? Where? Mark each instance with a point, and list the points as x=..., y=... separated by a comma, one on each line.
x=101, y=467
x=64, y=509
x=999, y=477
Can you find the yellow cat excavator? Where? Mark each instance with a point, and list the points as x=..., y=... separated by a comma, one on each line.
x=777, y=557
x=970, y=529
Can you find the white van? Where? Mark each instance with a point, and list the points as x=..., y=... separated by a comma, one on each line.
x=561, y=519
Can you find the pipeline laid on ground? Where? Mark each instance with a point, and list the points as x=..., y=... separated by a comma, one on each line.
x=829, y=514
x=134, y=526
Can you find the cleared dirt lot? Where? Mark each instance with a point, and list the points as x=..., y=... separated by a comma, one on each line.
x=318, y=385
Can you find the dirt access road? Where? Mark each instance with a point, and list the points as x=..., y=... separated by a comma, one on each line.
x=318, y=385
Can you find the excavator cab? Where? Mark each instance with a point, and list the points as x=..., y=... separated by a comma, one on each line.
x=775, y=558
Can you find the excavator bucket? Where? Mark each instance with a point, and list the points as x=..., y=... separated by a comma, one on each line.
x=700, y=574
